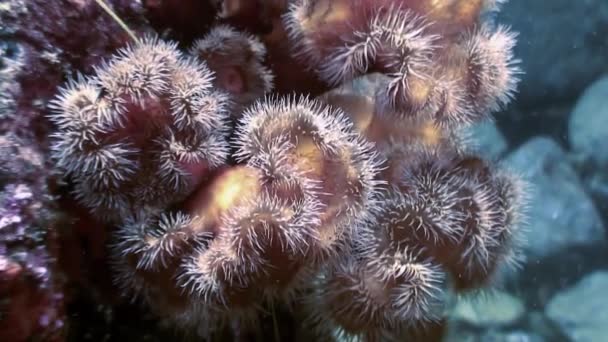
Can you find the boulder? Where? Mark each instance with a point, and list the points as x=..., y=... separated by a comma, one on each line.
x=580, y=311
x=487, y=140
x=588, y=124
x=588, y=137
x=493, y=310
x=561, y=214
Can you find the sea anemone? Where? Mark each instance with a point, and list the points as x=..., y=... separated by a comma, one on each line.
x=413, y=44
x=143, y=131
x=320, y=142
x=359, y=214
x=237, y=59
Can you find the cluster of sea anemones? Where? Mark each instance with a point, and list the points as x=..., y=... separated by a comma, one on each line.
x=358, y=211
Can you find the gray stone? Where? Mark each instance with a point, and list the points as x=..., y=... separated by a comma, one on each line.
x=597, y=183
x=366, y=85
x=460, y=334
x=496, y=309
x=588, y=125
x=588, y=133
x=488, y=140
x=582, y=310
x=560, y=214
x=562, y=44
x=511, y=336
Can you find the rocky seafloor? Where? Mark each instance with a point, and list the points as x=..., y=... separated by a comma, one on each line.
x=559, y=295
x=555, y=134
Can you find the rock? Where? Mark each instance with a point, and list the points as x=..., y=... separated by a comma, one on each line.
x=511, y=336
x=597, y=183
x=561, y=214
x=561, y=43
x=496, y=309
x=460, y=334
x=580, y=311
x=492, y=335
x=588, y=135
x=366, y=85
x=587, y=128
x=488, y=140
